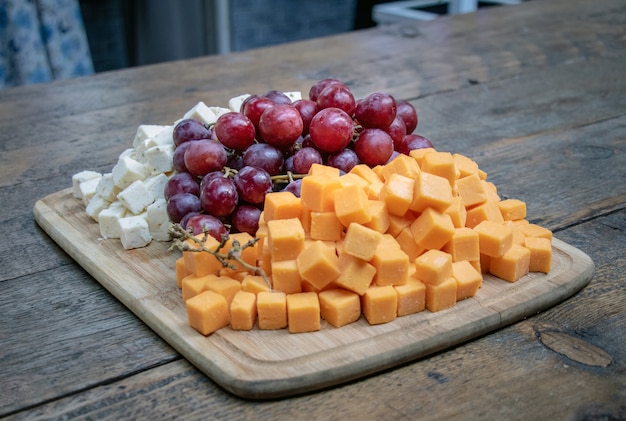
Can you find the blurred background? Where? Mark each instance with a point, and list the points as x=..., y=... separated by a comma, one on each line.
x=45, y=40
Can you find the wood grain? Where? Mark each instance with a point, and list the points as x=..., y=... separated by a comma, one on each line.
x=268, y=364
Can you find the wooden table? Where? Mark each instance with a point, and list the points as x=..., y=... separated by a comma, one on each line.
x=535, y=93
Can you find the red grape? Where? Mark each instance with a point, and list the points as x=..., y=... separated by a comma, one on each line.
x=201, y=223
x=252, y=184
x=262, y=155
x=277, y=97
x=406, y=111
x=235, y=131
x=190, y=129
x=178, y=160
x=337, y=96
x=204, y=156
x=413, y=141
x=181, y=182
x=345, y=160
x=294, y=187
x=319, y=87
x=304, y=158
x=397, y=130
x=254, y=106
x=280, y=125
x=331, y=130
x=181, y=204
x=373, y=147
x=377, y=110
x=219, y=196
x=246, y=219
x=307, y=110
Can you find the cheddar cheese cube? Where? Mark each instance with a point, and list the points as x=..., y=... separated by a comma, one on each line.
x=353, y=179
x=181, y=271
x=271, y=310
x=192, y=285
x=457, y=212
x=319, y=169
x=286, y=277
x=243, y=311
x=248, y=253
x=207, y=312
x=465, y=165
x=366, y=173
x=512, y=209
x=317, y=192
x=512, y=265
x=361, y=241
x=463, y=245
x=494, y=238
x=351, y=205
x=431, y=191
x=540, y=254
x=487, y=211
x=408, y=245
x=442, y=296
x=441, y=164
x=432, y=229
x=339, y=307
x=392, y=266
x=534, y=230
x=355, y=275
x=433, y=267
x=285, y=238
x=303, y=312
x=281, y=205
x=201, y=263
x=397, y=193
x=318, y=264
x=379, y=304
x=471, y=190
x=398, y=223
x=402, y=165
x=418, y=154
x=411, y=297
x=380, y=217
x=468, y=279
x=254, y=284
x=325, y=226
x=223, y=285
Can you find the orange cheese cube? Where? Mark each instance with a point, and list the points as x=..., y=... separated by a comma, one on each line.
x=261, y=234
x=379, y=304
x=201, y=263
x=433, y=267
x=512, y=265
x=518, y=237
x=318, y=264
x=411, y=297
x=325, y=226
x=467, y=278
x=248, y=254
x=243, y=311
x=392, y=266
x=397, y=193
x=366, y=173
x=361, y=241
x=540, y=254
x=353, y=179
x=192, y=285
x=512, y=209
x=355, y=275
x=254, y=284
x=441, y=164
x=418, y=154
x=319, y=169
x=351, y=205
x=339, y=307
x=286, y=277
x=457, y=212
x=465, y=165
x=281, y=205
x=471, y=190
x=305, y=219
x=494, y=239
x=442, y=296
x=303, y=312
x=484, y=263
x=374, y=190
x=285, y=238
x=398, y=223
x=223, y=285
x=432, y=229
x=207, y=312
x=271, y=310
x=534, y=230
x=380, y=217
x=408, y=245
x=464, y=245
x=487, y=211
x=402, y=165
x=387, y=240
x=490, y=189
x=181, y=271
x=431, y=191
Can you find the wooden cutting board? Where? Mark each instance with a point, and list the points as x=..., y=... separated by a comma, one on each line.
x=268, y=364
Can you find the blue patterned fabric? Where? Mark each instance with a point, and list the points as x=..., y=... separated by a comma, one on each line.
x=41, y=41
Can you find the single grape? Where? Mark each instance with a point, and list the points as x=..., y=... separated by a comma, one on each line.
x=278, y=97
x=210, y=176
x=181, y=182
x=307, y=110
x=235, y=161
x=294, y=187
x=235, y=131
x=289, y=164
x=406, y=111
x=262, y=155
x=331, y=130
x=185, y=219
x=280, y=125
x=178, y=160
x=337, y=96
x=345, y=160
x=181, y=204
x=253, y=107
x=201, y=223
x=319, y=87
x=397, y=130
x=304, y=158
x=376, y=110
x=253, y=184
x=413, y=141
x=219, y=196
x=190, y=129
x=246, y=219
x=204, y=156
x=373, y=147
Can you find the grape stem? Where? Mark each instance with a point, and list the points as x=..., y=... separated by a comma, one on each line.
x=287, y=178
x=180, y=236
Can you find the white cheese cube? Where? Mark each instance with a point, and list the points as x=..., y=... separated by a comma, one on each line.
x=106, y=187
x=146, y=131
x=108, y=220
x=127, y=171
x=96, y=205
x=234, y=104
x=158, y=221
x=159, y=159
x=201, y=112
x=294, y=95
x=81, y=177
x=127, y=153
x=136, y=197
x=88, y=189
x=164, y=137
x=156, y=185
x=218, y=111
x=134, y=232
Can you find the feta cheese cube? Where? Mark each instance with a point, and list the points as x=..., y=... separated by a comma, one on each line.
x=81, y=177
x=158, y=221
x=164, y=137
x=134, y=232
x=218, y=111
x=201, y=112
x=88, y=189
x=234, y=104
x=294, y=95
x=156, y=185
x=96, y=205
x=108, y=220
x=159, y=159
x=130, y=153
x=146, y=131
x=126, y=171
x=106, y=187
x=136, y=197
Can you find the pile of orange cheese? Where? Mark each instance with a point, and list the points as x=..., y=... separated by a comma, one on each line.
x=417, y=233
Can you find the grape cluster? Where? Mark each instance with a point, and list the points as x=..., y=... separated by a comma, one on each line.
x=224, y=171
